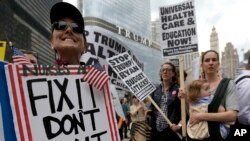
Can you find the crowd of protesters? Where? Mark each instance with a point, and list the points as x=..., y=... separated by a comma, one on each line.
x=226, y=100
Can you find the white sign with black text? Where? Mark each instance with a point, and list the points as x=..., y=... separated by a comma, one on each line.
x=178, y=29
x=131, y=75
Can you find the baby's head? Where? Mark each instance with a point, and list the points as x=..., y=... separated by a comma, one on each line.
x=198, y=89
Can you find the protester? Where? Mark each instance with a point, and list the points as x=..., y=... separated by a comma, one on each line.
x=166, y=97
x=140, y=131
x=31, y=56
x=68, y=39
x=222, y=95
x=242, y=84
x=124, y=127
x=199, y=97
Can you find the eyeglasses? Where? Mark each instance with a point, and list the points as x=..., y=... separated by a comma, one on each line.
x=61, y=25
x=166, y=69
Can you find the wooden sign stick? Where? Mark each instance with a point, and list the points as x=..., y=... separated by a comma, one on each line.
x=183, y=103
x=164, y=116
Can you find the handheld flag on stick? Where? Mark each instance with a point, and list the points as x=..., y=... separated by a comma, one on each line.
x=96, y=76
x=18, y=57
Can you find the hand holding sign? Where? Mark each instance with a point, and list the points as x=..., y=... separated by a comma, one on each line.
x=134, y=79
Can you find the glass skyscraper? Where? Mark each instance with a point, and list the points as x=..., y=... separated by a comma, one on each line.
x=27, y=25
x=133, y=17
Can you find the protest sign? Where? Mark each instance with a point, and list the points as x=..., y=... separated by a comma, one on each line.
x=175, y=62
x=116, y=101
x=102, y=45
x=7, y=118
x=1, y=123
x=53, y=103
x=131, y=75
x=2, y=49
x=178, y=29
x=179, y=36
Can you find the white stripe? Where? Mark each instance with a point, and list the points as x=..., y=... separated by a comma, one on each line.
x=98, y=79
x=94, y=78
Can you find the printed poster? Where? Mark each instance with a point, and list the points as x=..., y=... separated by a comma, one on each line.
x=52, y=103
x=131, y=74
x=178, y=29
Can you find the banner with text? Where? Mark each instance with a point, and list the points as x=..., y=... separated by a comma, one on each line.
x=178, y=29
x=52, y=103
x=131, y=75
x=102, y=45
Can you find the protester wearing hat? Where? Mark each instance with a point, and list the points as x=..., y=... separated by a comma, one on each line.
x=68, y=39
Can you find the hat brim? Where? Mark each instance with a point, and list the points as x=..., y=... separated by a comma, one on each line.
x=65, y=10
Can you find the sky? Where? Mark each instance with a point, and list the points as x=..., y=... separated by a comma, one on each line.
x=229, y=17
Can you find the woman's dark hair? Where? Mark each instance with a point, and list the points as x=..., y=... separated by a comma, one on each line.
x=203, y=54
x=174, y=78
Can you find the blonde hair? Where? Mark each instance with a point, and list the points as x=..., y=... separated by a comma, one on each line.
x=194, y=90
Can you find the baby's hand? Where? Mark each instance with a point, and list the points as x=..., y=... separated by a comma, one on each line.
x=182, y=93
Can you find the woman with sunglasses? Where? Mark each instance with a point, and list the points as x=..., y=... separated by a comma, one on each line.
x=166, y=97
x=68, y=39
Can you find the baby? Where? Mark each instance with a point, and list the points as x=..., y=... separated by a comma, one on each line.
x=199, y=97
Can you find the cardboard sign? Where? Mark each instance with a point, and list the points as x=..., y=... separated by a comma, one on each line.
x=52, y=103
x=178, y=29
x=101, y=45
x=131, y=75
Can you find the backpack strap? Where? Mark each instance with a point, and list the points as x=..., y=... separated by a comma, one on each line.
x=243, y=77
x=214, y=126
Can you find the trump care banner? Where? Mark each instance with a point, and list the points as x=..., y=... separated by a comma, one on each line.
x=102, y=45
x=52, y=103
x=178, y=29
x=131, y=75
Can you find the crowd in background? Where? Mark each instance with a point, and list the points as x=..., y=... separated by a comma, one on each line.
x=225, y=101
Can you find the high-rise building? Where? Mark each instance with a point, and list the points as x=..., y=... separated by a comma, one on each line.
x=229, y=61
x=156, y=30
x=27, y=25
x=214, y=40
x=128, y=20
x=133, y=15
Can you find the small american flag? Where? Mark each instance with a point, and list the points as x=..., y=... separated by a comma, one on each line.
x=96, y=76
x=18, y=57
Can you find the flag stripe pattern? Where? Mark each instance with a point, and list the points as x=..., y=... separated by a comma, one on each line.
x=96, y=77
x=18, y=57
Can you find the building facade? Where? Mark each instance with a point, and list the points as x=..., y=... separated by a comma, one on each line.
x=133, y=15
x=27, y=25
x=156, y=30
x=214, y=40
x=246, y=56
x=130, y=21
x=229, y=61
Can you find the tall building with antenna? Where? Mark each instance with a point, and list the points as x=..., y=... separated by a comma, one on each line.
x=214, y=40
